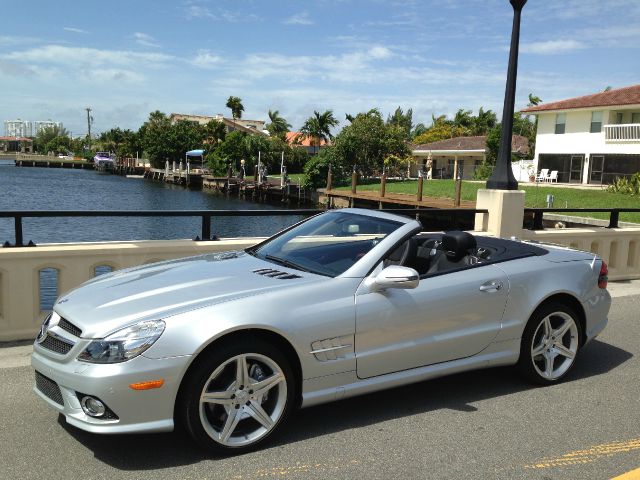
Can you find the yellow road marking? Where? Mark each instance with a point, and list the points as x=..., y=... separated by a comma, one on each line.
x=588, y=455
x=632, y=475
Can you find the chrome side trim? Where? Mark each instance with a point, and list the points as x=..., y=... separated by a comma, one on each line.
x=322, y=350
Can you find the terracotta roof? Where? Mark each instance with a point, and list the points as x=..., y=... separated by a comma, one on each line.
x=297, y=138
x=618, y=96
x=519, y=144
x=15, y=139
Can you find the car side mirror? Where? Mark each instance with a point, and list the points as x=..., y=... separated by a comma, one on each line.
x=396, y=276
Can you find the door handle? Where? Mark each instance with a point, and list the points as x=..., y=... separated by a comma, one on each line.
x=492, y=286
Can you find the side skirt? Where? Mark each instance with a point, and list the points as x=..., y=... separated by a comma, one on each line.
x=344, y=385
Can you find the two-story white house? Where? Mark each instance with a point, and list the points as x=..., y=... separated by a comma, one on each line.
x=591, y=139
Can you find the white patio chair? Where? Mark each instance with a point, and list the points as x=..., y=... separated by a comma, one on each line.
x=553, y=176
x=543, y=175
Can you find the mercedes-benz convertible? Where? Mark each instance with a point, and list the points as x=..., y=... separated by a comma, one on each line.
x=344, y=303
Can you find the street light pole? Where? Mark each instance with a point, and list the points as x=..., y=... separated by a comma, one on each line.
x=502, y=177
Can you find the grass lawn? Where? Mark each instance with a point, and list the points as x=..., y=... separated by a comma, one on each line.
x=294, y=177
x=535, y=196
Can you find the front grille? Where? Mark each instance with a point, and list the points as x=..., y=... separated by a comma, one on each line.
x=67, y=326
x=56, y=344
x=269, y=272
x=49, y=388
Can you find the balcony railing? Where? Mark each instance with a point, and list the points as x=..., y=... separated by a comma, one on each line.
x=622, y=133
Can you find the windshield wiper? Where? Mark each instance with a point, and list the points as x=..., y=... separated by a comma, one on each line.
x=286, y=263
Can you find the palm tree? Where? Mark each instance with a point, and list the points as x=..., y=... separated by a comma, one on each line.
x=278, y=126
x=463, y=118
x=484, y=122
x=214, y=133
x=534, y=100
x=318, y=127
x=236, y=107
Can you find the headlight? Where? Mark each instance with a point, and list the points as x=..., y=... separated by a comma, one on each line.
x=124, y=344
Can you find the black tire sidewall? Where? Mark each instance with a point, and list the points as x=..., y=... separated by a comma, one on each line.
x=525, y=362
x=206, y=363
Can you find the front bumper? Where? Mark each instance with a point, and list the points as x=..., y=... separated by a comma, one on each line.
x=136, y=410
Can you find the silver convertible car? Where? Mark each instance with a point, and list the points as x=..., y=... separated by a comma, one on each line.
x=344, y=303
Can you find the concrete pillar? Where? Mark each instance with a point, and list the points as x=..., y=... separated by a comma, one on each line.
x=506, y=212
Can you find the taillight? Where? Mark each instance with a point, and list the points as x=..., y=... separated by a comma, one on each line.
x=603, y=278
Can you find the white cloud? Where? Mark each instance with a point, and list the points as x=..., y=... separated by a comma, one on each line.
x=75, y=30
x=7, y=40
x=206, y=59
x=145, y=40
x=92, y=57
x=198, y=11
x=552, y=47
x=301, y=18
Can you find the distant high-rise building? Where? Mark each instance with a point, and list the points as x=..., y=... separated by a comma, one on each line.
x=38, y=125
x=18, y=128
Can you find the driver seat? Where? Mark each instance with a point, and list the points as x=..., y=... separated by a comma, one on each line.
x=454, y=252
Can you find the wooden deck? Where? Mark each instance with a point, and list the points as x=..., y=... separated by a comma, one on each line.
x=397, y=199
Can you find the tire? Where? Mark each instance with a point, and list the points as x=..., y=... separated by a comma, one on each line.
x=236, y=396
x=550, y=343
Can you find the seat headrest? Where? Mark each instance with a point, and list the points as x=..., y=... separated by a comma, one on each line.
x=457, y=244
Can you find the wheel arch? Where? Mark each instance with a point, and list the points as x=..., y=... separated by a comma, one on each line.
x=571, y=301
x=269, y=336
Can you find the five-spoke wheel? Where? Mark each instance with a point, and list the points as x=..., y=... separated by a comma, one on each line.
x=550, y=343
x=238, y=396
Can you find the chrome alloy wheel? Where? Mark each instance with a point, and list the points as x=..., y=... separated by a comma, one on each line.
x=243, y=400
x=555, y=345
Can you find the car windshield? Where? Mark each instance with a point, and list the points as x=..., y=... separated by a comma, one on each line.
x=328, y=244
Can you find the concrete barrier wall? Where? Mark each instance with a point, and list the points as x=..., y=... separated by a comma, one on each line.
x=619, y=247
x=20, y=314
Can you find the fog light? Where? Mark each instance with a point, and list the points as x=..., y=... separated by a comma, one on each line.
x=92, y=406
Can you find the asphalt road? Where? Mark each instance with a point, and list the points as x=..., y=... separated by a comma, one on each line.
x=484, y=424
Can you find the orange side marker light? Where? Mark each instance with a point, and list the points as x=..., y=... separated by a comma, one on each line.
x=147, y=385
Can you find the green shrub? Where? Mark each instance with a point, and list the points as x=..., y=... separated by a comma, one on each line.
x=483, y=171
x=628, y=186
x=317, y=167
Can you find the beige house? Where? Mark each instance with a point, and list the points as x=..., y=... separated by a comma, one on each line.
x=463, y=154
x=252, y=127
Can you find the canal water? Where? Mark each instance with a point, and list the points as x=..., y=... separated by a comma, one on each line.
x=28, y=188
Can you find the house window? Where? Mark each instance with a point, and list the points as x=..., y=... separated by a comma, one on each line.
x=561, y=120
x=635, y=117
x=596, y=122
x=619, y=118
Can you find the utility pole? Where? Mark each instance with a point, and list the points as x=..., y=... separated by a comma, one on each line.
x=89, y=120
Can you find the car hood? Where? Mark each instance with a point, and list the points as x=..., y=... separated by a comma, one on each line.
x=110, y=302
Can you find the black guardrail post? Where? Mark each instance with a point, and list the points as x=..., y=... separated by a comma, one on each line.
x=206, y=227
x=614, y=218
x=18, y=227
x=537, y=220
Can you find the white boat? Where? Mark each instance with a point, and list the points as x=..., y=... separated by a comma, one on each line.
x=104, y=160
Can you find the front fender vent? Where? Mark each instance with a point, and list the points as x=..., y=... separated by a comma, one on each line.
x=270, y=272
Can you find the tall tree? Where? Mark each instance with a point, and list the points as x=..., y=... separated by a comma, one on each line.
x=236, y=107
x=402, y=121
x=368, y=141
x=47, y=134
x=318, y=127
x=534, y=100
x=278, y=126
x=484, y=122
x=463, y=119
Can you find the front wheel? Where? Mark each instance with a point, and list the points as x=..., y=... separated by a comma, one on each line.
x=550, y=343
x=238, y=396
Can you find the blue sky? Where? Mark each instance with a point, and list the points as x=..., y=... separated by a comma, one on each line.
x=128, y=58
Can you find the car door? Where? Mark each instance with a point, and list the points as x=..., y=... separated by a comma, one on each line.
x=448, y=316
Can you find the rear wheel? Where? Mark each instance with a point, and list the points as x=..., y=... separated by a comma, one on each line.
x=237, y=396
x=550, y=343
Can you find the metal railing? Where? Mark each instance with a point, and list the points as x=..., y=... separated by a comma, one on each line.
x=614, y=214
x=205, y=216
x=622, y=133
